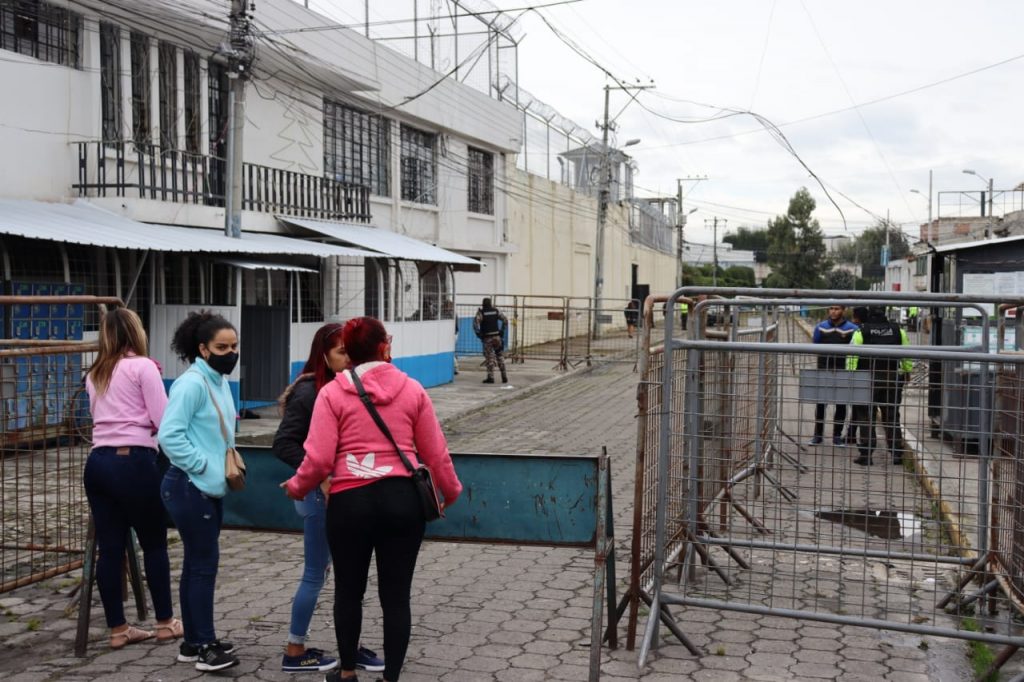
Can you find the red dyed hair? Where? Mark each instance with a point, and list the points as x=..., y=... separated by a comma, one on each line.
x=327, y=337
x=365, y=338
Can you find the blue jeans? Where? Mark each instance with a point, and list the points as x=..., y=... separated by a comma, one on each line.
x=198, y=518
x=313, y=510
x=124, y=493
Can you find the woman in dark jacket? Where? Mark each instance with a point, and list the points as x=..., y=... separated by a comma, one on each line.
x=326, y=357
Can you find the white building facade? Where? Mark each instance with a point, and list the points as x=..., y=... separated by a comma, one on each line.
x=368, y=179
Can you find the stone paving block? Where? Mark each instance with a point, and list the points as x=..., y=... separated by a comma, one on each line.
x=814, y=671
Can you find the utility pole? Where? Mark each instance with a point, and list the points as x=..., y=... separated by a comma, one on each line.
x=681, y=225
x=714, y=251
x=239, y=53
x=605, y=179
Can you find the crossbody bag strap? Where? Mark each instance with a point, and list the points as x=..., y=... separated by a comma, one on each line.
x=220, y=415
x=377, y=418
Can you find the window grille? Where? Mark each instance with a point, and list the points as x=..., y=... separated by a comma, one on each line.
x=357, y=147
x=410, y=305
x=140, y=88
x=193, y=122
x=308, y=301
x=217, y=94
x=419, y=166
x=921, y=266
x=350, y=284
x=40, y=30
x=168, y=66
x=110, y=81
x=377, y=298
x=480, y=176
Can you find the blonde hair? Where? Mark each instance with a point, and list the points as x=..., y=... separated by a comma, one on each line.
x=121, y=333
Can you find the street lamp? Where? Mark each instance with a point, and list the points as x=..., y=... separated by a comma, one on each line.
x=926, y=198
x=979, y=176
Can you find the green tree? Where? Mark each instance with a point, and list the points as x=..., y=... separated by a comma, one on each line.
x=796, y=246
x=748, y=239
x=841, y=279
x=866, y=250
x=737, y=276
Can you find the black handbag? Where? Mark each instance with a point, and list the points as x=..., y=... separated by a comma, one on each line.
x=421, y=477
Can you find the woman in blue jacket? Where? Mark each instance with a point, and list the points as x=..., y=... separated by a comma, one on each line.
x=196, y=430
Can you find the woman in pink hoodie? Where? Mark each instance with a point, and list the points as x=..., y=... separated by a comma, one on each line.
x=374, y=508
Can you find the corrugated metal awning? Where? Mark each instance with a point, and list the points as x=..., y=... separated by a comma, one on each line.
x=386, y=242
x=81, y=223
x=260, y=265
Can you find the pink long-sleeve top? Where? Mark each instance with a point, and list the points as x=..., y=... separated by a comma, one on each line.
x=345, y=442
x=129, y=411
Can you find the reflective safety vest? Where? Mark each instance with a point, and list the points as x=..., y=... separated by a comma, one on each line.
x=912, y=311
x=684, y=308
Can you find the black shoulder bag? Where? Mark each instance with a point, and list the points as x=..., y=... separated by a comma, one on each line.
x=420, y=475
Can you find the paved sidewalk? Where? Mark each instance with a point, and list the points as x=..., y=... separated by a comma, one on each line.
x=485, y=612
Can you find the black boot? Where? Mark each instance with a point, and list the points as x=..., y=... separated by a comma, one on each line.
x=864, y=459
x=504, y=378
x=489, y=380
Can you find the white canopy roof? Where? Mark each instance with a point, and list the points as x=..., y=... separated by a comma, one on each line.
x=386, y=242
x=82, y=223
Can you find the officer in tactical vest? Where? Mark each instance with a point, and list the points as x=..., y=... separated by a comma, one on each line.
x=887, y=378
x=490, y=325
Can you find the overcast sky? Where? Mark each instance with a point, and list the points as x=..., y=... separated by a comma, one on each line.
x=790, y=60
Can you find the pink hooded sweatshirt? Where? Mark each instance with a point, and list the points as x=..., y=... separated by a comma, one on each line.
x=346, y=443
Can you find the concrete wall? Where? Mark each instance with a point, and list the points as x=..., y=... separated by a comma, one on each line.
x=553, y=228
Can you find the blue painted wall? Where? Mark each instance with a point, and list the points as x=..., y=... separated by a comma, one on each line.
x=429, y=370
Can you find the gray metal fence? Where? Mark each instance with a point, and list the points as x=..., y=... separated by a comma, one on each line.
x=751, y=516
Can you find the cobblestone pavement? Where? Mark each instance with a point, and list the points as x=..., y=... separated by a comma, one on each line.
x=483, y=612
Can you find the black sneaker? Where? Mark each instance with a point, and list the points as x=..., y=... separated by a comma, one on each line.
x=189, y=653
x=213, y=658
x=863, y=460
x=336, y=677
x=488, y=380
x=369, y=660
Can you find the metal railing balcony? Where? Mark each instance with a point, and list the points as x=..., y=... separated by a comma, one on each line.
x=124, y=168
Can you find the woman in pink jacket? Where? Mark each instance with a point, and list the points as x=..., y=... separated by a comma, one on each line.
x=374, y=508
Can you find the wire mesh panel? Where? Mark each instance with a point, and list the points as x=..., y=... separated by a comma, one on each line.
x=884, y=522
x=44, y=437
x=603, y=333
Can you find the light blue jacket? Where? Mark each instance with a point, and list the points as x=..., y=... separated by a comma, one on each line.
x=190, y=432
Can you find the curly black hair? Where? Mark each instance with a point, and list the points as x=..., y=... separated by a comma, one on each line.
x=198, y=328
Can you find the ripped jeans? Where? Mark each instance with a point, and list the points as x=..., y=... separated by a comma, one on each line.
x=198, y=518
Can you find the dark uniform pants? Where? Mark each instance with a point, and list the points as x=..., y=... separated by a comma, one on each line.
x=884, y=409
x=493, y=354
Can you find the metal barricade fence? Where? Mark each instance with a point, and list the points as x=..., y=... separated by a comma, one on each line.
x=743, y=417
x=883, y=543
x=555, y=328
x=45, y=432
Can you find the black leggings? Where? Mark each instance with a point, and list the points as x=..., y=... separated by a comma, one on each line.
x=385, y=519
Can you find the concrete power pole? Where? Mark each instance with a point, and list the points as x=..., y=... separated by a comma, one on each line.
x=239, y=53
x=604, y=178
x=681, y=224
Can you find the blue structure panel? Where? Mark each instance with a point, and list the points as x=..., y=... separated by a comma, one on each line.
x=521, y=499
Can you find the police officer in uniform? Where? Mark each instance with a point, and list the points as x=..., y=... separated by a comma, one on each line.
x=887, y=378
x=490, y=325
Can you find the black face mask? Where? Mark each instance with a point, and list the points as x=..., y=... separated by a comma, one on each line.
x=223, y=364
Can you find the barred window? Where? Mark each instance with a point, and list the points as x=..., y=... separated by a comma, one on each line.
x=193, y=122
x=357, y=147
x=40, y=30
x=307, y=305
x=168, y=64
x=480, y=176
x=110, y=80
x=140, y=88
x=419, y=166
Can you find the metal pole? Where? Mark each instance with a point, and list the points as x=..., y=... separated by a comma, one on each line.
x=229, y=165
x=680, y=218
x=714, y=250
x=929, y=205
x=239, y=55
x=991, y=215
x=604, y=178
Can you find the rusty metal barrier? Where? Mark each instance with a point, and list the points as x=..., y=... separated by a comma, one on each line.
x=44, y=437
x=887, y=543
